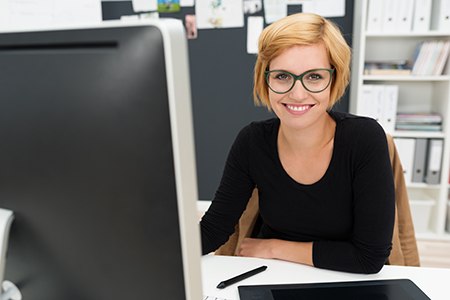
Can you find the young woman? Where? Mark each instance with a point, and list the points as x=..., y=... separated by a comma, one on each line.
x=324, y=179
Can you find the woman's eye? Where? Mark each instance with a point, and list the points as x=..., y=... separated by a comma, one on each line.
x=282, y=76
x=314, y=76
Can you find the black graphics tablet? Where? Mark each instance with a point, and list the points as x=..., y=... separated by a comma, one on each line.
x=398, y=289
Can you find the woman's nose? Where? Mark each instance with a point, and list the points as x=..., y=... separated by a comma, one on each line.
x=298, y=91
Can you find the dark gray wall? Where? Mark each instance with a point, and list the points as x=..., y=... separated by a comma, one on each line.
x=221, y=79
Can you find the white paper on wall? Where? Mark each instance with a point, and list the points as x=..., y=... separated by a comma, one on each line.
x=252, y=6
x=325, y=8
x=255, y=26
x=274, y=10
x=187, y=3
x=145, y=5
x=32, y=14
x=219, y=13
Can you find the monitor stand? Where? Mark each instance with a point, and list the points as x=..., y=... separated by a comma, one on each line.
x=9, y=290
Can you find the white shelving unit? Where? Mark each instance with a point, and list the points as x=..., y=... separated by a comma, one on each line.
x=416, y=94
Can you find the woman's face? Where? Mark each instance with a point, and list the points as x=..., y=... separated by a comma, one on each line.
x=300, y=108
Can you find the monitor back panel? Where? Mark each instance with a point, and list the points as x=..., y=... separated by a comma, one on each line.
x=86, y=164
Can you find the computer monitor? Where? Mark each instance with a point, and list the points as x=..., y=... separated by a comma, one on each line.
x=97, y=163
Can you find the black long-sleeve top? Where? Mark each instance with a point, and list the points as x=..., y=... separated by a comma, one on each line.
x=348, y=214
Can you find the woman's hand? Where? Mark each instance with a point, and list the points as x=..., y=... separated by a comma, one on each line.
x=299, y=252
x=257, y=248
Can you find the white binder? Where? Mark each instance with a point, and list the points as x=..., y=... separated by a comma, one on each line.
x=367, y=99
x=422, y=15
x=374, y=15
x=371, y=101
x=389, y=18
x=404, y=15
x=405, y=148
x=377, y=107
x=433, y=174
x=441, y=15
x=380, y=103
x=389, y=100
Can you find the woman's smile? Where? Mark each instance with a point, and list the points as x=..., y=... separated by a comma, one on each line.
x=298, y=109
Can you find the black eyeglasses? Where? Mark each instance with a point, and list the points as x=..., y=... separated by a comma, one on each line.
x=314, y=81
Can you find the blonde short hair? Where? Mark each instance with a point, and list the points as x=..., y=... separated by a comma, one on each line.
x=302, y=29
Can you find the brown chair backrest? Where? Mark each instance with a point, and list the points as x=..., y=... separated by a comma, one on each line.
x=404, y=245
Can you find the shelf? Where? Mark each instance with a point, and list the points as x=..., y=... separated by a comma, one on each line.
x=433, y=236
x=415, y=93
x=405, y=78
x=419, y=134
x=422, y=185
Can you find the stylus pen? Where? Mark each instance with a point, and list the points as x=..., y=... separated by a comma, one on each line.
x=238, y=278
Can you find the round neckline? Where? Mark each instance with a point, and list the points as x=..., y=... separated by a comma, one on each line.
x=324, y=177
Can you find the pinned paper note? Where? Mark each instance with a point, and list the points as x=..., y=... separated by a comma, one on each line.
x=19, y=14
x=144, y=5
x=219, y=13
x=274, y=10
x=185, y=3
x=255, y=26
x=325, y=8
x=252, y=6
x=277, y=9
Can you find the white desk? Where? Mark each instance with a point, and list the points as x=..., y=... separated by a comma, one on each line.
x=433, y=281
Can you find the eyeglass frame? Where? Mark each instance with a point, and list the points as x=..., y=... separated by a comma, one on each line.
x=300, y=78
